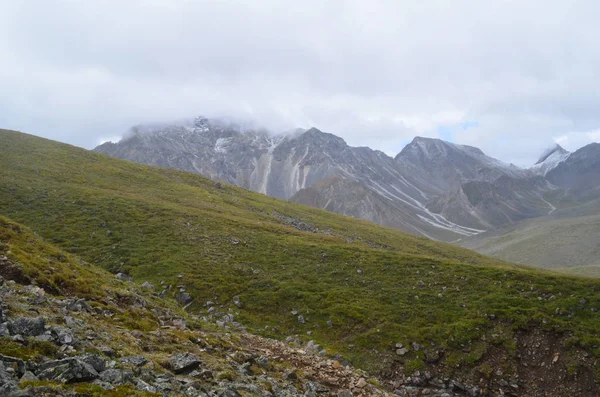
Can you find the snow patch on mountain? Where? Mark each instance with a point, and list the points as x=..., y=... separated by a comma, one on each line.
x=550, y=159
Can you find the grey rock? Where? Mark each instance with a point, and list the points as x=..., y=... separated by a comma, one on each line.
x=27, y=326
x=97, y=362
x=138, y=361
x=237, y=302
x=402, y=351
x=117, y=376
x=102, y=384
x=312, y=348
x=345, y=393
x=63, y=336
x=18, y=338
x=301, y=319
x=4, y=329
x=79, y=305
x=67, y=370
x=10, y=362
x=107, y=351
x=185, y=298
x=124, y=277
x=28, y=375
x=143, y=386
x=147, y=285
x=184, y=362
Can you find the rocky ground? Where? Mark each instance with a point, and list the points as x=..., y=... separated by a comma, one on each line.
x=126, y=343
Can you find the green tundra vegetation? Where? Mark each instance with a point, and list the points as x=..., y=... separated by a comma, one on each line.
x=359, y=287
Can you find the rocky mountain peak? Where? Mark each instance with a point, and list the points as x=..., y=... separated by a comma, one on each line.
x=555, y=150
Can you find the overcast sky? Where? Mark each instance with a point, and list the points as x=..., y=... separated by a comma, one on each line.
x=510, y=77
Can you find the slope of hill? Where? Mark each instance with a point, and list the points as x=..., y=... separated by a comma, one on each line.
x=71, y=329
x=566, y=238
x=387, y=301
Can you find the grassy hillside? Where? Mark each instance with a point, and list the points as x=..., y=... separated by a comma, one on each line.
x=141, y=325
x=360, y=288
x=584, y=271
x=567, y=238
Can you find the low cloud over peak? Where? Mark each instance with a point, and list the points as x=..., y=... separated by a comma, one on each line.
x=520, y=75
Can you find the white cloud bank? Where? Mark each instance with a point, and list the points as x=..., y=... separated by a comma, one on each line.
x=376, y=73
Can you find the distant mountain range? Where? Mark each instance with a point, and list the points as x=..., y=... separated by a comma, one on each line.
x=432, y=188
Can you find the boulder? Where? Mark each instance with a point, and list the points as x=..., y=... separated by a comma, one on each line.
x=184, y=362
x=116, y=376
x=97, y=362
x=13, y=362
x=27, y=326
x=68, y=370
x=63, y=336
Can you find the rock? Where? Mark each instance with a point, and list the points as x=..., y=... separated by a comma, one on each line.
x=4, y=329
x=12, y=362
x=184, y=362
x=63, y=336
x=137, y=334
x=116, y=376
x=29, y=376
x=237, y=302
x=70, y=321
x=402, y=351
x=312, y=348
x=345, y=393
x=68, y=370
x=329, y=324
x=143, y=386
x=301, y=319
x=97, y=362
x=18, y=338
x=361, y=383
x=138, y=361
x=27, y=326
x=147, y=285
x=180, y=324
x=184, y=298
x=79, y=305
x=107, y=351
x=123, y=277
x=7, y=383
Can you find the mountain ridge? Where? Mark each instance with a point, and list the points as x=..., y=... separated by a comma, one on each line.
x=430, y=184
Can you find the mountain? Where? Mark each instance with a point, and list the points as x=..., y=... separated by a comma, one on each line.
x=550, y=159
x=415, y=315
x=565, y=237
x=280, y=166
x=580, y=172
x=431, y=188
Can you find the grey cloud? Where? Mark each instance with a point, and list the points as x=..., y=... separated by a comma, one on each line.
x=376, y=73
